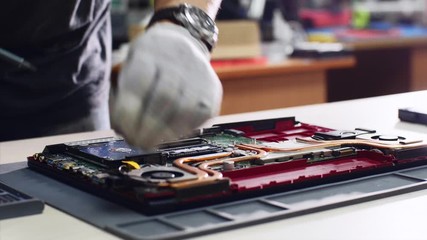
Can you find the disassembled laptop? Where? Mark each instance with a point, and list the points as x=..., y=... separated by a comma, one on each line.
x=226, y=162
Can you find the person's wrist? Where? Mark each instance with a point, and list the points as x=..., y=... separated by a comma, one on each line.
x=209, y=6
x=193, y=19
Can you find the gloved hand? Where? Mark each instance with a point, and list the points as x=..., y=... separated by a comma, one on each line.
x=166, y=87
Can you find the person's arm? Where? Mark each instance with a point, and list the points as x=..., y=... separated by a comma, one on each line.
x=209, y=6
x=167, y=86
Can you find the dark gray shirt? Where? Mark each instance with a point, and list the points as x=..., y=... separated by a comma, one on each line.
x=69, y=42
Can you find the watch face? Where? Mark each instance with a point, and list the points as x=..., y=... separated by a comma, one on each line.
x=201, y=25
x=199, y=17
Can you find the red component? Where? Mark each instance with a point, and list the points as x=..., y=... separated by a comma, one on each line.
x=412, y=160
x=325, y=18
x=283, y=130
x=260, y=61
x=300, y=170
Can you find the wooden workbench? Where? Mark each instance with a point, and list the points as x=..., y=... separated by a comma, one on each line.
x=384, y=66
x=273, y=85
x=285, y=84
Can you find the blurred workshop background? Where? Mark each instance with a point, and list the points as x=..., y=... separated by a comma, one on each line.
x=283, y=53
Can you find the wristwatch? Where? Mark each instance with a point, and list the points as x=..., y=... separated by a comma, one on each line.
x=194, y=19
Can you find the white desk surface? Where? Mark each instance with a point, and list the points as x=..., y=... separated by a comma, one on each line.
x=399, y=217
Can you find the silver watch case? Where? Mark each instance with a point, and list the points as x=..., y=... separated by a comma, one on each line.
x=199, y=24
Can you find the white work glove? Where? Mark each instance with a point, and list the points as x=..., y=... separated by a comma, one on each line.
x=166, y=89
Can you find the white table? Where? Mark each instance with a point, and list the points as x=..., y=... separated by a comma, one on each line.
x=399, y=217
